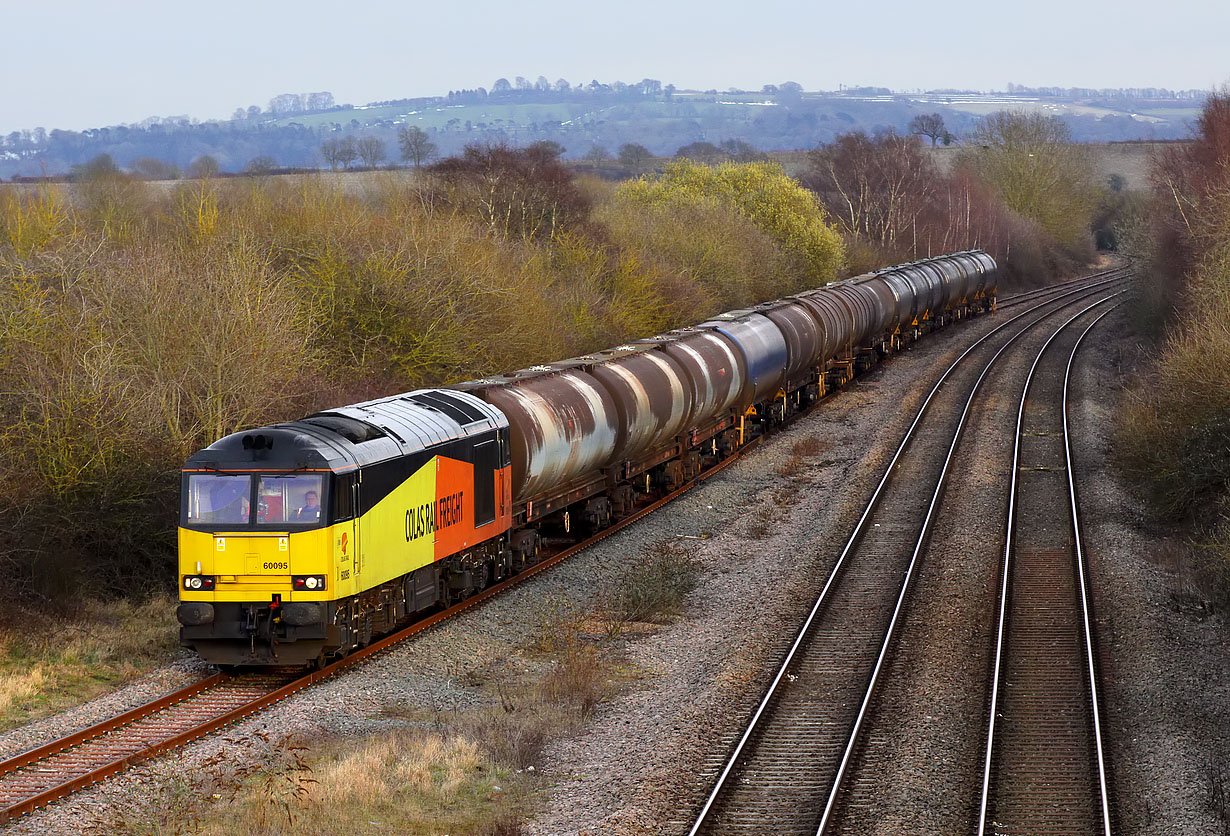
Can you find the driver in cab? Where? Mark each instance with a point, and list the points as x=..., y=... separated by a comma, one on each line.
x=310, y=512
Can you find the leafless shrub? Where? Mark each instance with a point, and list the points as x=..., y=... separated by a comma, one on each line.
x=652, y=588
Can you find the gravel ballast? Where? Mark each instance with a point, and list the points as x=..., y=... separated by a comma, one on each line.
x=637, y=765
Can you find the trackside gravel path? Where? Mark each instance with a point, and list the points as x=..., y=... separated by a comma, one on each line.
x=636, y=763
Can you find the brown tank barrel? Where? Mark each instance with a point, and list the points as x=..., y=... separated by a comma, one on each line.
x=714, y=369
x=650, y=390
x=562, y=425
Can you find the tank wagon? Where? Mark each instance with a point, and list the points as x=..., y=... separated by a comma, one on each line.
x=303, y=540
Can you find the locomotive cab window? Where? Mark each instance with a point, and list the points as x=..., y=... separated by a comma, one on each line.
x=218, y=499
x=294, y=499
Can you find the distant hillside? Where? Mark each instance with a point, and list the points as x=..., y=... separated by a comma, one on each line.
x=585, y=120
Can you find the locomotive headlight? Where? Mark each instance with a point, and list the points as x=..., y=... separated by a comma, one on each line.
x=192, y=583
x=195, y=583
x=310, y=583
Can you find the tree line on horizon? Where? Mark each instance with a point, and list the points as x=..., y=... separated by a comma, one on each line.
x=273, y=133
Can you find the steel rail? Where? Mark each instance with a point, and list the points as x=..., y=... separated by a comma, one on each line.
x=1005, y=579
x=919, y=547
x=224, y=680
x=1083, y=575
x=1102, y=279
x=1028, y=295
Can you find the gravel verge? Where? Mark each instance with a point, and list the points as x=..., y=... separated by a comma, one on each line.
x=1164, y=650
x=695, y=672
x=639, y=765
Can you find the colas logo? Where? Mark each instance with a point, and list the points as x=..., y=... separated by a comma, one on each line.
x=344, y=541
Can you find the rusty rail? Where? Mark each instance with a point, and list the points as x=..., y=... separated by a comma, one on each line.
x=61, y=767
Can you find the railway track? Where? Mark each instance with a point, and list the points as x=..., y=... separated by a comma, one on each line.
x=1044, y=292
x=788, y=769
x=61, y=767
x=1045, y=765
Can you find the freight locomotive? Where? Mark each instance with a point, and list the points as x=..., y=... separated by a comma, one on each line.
x=303, y=540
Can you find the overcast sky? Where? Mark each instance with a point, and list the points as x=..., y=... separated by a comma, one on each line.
x=75, y=64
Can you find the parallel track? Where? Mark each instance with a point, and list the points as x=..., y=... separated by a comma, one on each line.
x=786, y=771
x=1045, y=766
x=61, y=767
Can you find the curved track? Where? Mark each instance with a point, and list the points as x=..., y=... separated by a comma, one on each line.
x=787, y=770
x=61, y=767
x=1045, y=765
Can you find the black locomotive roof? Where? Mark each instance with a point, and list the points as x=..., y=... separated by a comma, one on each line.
x=349, y=436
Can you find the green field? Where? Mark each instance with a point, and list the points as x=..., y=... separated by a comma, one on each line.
x=734, y=110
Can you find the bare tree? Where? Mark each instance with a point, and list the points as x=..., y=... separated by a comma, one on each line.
x=148, y=168
x=318, y=101
x=416, y=147
x=547, y=146
x=370, y=151
x=702, y=152
x=203, y=167
x=261, y=165
x=741, y=152
x=339, y=153
x=877, y=186
x=285, y=104
x=929, y=124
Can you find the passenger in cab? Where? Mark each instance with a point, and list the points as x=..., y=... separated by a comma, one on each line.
x=310, y=512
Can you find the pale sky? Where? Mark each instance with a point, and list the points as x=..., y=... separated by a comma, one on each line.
x=75, y=64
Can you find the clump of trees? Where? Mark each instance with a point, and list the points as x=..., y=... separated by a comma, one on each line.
x=138, y=323
x=1032, y=164
x=1174, y=430
x=762, y=192
x=517, y=192
x=1019, y=190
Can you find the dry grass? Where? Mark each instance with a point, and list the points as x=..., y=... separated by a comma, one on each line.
x=810, y=446
x=464, y=771
x=1174, y=429
x=408, y=781
x=48, y=663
